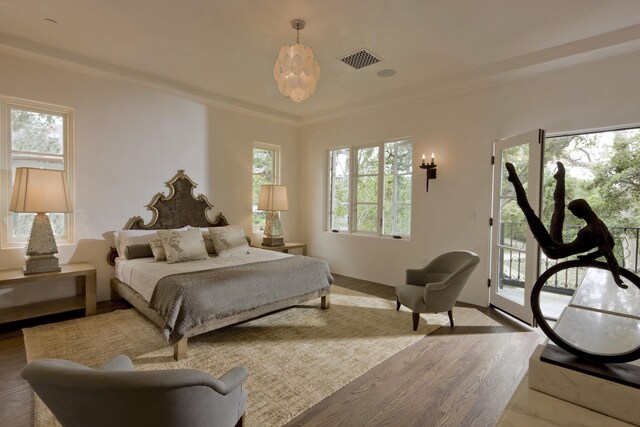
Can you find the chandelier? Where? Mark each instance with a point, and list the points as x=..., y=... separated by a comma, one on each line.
x=295, y=70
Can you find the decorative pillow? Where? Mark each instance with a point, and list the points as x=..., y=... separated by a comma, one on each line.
x=183, y=245
x=207, y=239
x=124, y=238
x=138, y=251
x=157, y=249
x=229, y=240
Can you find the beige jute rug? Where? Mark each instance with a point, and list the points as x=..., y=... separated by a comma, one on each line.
x=296, y=357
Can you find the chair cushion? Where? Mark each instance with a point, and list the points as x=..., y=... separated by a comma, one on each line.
x=412, y=297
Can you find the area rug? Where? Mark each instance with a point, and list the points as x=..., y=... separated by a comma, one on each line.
x=296, y=357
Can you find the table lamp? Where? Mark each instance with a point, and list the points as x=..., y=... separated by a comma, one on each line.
x=39, y=191
x=273, y=199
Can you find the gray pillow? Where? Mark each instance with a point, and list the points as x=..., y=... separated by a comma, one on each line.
x=183, y=245
x=137, y=251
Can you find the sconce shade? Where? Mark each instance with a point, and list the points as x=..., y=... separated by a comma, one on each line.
x=40, y=191
x=273, y=198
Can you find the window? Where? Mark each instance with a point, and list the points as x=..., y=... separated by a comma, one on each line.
x=266, y=161
x=40, y=136
x=339, y=189
x=372, y=195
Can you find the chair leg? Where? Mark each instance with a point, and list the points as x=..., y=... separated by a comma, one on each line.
x=451, y=317
x=397, y=304
x=416, y=319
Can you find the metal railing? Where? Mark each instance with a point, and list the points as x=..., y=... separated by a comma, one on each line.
x=512, y=235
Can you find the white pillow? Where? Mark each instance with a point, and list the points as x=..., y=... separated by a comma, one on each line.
x=183, y=245
x=229, y=240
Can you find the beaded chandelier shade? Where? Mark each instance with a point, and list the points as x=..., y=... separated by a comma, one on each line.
x=296, y=71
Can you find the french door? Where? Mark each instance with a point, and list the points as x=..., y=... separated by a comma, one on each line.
x=514, y=250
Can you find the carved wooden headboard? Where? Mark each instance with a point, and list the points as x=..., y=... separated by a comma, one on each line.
x=180, y=208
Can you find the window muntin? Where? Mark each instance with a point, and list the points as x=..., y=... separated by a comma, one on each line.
x=39, y=136
x=380, y=180
x=265, y=171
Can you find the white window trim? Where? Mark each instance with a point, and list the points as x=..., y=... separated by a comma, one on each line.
x=353, y=189
x=6, y=103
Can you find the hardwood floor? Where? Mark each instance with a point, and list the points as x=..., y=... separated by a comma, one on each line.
x=453, y=377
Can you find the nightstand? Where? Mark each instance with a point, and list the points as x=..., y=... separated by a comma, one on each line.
x=284, y=248
x=85, y=275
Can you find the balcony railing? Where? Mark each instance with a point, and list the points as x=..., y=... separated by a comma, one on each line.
x=513, y=261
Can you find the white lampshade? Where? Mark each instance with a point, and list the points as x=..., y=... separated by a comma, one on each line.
x=273, y=198
x=40, y=191
x=295, y=70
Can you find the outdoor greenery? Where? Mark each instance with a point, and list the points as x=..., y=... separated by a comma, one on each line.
x=602, y=168
x=263, y=173
x=394, y=175
x=339, y=188
x=37, y=140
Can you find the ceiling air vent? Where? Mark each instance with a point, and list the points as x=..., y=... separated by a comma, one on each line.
x=360, y=59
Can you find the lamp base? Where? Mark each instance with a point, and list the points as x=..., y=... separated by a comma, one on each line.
x=37, y=264
x=273, y=241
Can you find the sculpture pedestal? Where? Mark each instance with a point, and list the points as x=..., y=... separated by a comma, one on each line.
x=616, y=396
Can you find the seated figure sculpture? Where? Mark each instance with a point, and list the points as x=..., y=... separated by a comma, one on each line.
x=594, y=235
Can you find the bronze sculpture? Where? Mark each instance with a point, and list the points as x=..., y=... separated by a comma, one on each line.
x=594, y=235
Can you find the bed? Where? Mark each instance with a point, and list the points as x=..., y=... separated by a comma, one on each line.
x=189, y=298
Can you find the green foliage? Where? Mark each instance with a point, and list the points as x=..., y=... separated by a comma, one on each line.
x=602, y=168
x=36, y=132
x=263, y=173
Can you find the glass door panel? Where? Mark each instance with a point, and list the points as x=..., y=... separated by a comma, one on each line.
x=514, y=252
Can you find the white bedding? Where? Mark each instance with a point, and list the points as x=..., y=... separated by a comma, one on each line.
x=143, y=274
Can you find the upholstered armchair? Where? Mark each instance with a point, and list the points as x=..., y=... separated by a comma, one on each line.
x=117, y=395
x=436, y=287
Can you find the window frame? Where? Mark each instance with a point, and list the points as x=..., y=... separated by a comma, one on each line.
x=276, y=174
x=353, y=189
x=7, y=104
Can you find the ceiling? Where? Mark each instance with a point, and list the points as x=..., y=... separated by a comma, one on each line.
x=223, y=51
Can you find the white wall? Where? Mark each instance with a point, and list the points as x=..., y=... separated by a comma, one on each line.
x=129, y=140
x=460, y=129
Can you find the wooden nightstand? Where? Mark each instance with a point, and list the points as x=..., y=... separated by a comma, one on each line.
x=85, y=275
x=284, y=248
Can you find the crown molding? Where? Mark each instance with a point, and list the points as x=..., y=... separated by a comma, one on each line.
x=44, y=54
x=616, y=42
x=613, y=43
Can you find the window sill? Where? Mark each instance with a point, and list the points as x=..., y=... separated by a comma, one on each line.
x=368, y=235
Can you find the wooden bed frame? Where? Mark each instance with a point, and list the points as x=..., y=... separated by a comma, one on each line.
x=181, y=208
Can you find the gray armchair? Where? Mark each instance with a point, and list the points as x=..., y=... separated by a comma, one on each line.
x=117, y=395
x=436, y=287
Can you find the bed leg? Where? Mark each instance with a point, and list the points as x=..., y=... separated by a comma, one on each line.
x=115, y=296
x=325, y=301
x=180, y=349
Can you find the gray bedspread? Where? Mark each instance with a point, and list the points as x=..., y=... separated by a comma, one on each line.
x=187, y=300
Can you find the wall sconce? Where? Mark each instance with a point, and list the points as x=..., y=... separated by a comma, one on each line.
x=430, y=167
